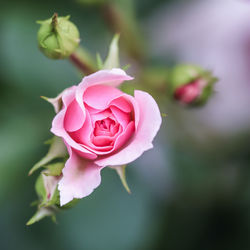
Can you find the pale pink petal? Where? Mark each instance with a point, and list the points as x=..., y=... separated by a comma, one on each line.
x=99, y=96
x=136, y=109
x=113, y=77
x=149, y=124
x=101, y=141
x=58, y=125
x=74, y=117
x=80, y=178
x=83, y=136
x=101, y=116
x=125, y=137
x=122, y=104
x=121, y=117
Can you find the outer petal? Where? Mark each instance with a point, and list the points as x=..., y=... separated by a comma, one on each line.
x=99, y=96
x=113, y=77
x=149, y=124
x=80, y=178
x=58, y=125
x=57, y=101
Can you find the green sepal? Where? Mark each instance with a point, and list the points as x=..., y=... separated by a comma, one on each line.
x=99, y=61
x=55, y=200
x=183, y=74
x=112, y=60
x=57, y=150
x=121, y=171
x=207, y=91
x=126, y=67
x=40, y=189
x=40, y=214
x=54, y=169
x=44, y=200
x=70, y=204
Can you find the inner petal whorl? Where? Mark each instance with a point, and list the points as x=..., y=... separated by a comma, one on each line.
x=107, y=127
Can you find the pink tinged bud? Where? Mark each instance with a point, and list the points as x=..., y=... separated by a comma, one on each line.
x=190, y=92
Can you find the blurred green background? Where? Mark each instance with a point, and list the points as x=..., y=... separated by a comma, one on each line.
x=192, y=191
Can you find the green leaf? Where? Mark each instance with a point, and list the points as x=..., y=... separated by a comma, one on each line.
x=112, y=60
x=121, y=172
x=40, y=214
x=57, y=150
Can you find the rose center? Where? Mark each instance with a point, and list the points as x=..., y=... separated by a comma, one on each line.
x=105, y=127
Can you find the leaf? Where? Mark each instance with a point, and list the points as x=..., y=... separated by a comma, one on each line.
x=40, y=214
x=112, y=60
x=121, y=172
x=57, y=150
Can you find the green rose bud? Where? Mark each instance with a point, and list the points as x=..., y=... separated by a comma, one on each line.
x=58, y=37
x=190, y=84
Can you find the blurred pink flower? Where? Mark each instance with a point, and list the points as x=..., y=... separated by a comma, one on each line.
x=189, y=92
x=102, y=126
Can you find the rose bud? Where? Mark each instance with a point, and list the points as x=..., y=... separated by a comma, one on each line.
x=101, y=126
x=58, y=37
x=191, y=85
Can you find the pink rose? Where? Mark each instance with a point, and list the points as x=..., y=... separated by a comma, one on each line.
x=102, y=126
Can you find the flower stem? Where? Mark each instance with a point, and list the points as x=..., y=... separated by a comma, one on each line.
x=83, y=61
x=120, y=22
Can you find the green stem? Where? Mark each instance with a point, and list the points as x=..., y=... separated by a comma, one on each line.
x=83, y=61
x=121, y=22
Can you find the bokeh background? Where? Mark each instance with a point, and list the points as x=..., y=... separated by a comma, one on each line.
x=192, y=191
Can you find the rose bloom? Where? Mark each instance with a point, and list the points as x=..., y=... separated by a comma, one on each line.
x=102, y=126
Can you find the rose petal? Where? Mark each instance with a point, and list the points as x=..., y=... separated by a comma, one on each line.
x=58, y=125
x=99, y=96
x=136, y=109
x=101, y=141
x=121, y=117
x=113, y=77
x=82, y=136
x=149, y=124
x=122, y=104
x=80, y=178
x=74, y=117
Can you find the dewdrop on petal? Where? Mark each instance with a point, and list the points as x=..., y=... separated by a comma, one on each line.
x=57, y=37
